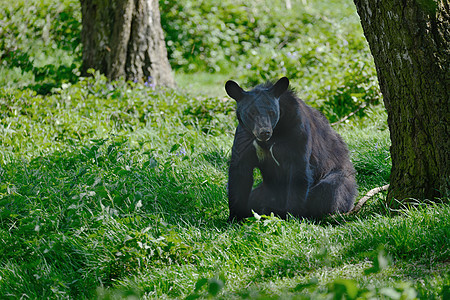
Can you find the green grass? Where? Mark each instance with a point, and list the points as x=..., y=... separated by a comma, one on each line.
x=203, y=84
x=111, y=189
x=116, y=190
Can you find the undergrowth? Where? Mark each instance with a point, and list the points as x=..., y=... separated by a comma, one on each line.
x=318, y=44
x=116, y=190
x=112, y=190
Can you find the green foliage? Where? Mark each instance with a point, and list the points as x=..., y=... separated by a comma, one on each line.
x=116, y=190
x=319, y=46
x=209, y=35
x=207, y=287
x=41, y=39
x=380, y=261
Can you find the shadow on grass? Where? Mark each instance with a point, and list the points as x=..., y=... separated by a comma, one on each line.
x=101, y=210
x=102, y=174
x=416, y=239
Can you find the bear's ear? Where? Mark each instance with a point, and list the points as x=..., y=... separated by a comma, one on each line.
x=280, y=87
x=234, y=90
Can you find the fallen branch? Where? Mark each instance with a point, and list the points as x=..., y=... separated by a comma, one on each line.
x=369, y=195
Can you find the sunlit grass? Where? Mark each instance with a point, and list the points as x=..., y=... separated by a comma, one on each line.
x=111, y=191
x=116, y=190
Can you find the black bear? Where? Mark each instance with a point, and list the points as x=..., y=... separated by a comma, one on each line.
x=304, y=163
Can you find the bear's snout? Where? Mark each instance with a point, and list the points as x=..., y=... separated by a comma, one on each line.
x=264, y=134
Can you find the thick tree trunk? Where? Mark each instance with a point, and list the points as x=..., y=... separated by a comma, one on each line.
x=124, y=38
x=410, y=43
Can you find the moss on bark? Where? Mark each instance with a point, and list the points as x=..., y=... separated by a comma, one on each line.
x=410, y=43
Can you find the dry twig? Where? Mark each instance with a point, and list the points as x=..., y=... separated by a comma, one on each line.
x=369, y=195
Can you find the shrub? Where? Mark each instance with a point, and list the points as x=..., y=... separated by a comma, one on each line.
x=41, y=38
x=325, y=55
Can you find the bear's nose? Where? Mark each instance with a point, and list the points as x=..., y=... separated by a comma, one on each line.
x=264, y=135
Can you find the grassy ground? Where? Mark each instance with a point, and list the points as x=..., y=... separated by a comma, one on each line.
x=124, y=193
x=117, y=190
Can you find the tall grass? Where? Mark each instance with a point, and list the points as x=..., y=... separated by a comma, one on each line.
x=116, y=189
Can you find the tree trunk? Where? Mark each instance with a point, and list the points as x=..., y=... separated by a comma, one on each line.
x=410, y=43
x=124, y=38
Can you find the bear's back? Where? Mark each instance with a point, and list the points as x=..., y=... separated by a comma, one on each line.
x=328, y=150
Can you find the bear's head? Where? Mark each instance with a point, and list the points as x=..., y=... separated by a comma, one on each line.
x=259, y=109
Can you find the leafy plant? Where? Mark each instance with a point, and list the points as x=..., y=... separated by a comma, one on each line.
x=331, y=67
x=41, y=38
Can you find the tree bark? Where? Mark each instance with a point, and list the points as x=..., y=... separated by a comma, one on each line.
x=410, y=44
x=124, y=38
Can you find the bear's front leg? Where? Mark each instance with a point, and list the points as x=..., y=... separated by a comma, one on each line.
x=240, y=182
x=294, y=170
x=240, y=174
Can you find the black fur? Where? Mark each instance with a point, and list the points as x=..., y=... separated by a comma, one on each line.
x=304, y=163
